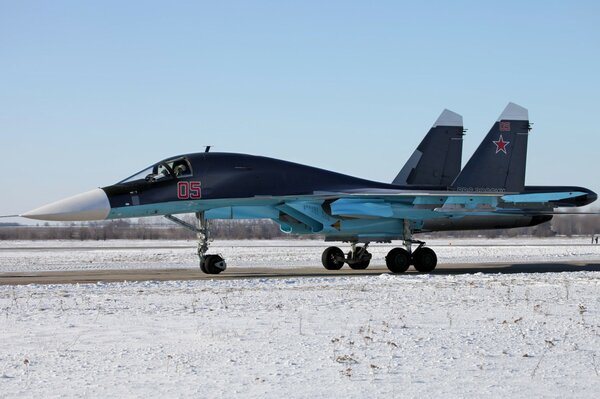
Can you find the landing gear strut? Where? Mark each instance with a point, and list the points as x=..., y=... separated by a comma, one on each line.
x=209, y=264
x=358, y=258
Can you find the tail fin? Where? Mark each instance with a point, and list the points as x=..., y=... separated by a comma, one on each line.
x=498, y=164
x=437, y=160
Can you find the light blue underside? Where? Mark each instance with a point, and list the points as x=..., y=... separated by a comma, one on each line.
x=349, y=216
x=542, y=197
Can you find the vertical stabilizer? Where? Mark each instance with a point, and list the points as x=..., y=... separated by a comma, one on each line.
x=437, y=160
x=498, y=164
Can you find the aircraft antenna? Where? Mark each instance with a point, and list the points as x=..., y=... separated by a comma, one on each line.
x=207, y=149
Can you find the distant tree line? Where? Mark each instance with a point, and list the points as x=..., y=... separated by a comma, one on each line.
x=153, y=229
x=125, y=229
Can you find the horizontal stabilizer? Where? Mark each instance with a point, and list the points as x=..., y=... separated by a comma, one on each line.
x=530, y=212
x=541, y=197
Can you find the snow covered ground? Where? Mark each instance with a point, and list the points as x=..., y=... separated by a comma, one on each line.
x=471, y=335
x=139, y=254
x=441, y=335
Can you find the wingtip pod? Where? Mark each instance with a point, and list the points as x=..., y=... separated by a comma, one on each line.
x=514, y=112
x=449, y=118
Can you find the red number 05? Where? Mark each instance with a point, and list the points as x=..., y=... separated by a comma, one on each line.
x=189, y=190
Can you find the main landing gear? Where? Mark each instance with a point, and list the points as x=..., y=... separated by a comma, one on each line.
x=358, y=258
x=209, y=264
x=398, y=260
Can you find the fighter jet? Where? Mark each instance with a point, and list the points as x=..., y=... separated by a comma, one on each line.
x=427, y=195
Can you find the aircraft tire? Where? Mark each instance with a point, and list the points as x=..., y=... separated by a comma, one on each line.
x=331, y=258
x=202, y=267
x=360, y=265
x=210, y=264
x=424, y=260
x=398, y=260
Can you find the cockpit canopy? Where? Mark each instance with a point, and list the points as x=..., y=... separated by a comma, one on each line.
x=175, y=168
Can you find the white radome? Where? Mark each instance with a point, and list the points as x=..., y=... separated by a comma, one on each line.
x=91, y=205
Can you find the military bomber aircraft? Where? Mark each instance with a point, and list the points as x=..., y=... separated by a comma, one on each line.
x=431, y=193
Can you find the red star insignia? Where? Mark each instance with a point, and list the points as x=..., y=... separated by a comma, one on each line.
x=501, y=145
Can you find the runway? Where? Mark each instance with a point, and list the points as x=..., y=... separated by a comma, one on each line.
x=108, y=276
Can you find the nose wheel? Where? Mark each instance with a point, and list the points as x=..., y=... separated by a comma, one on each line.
x=213, y=264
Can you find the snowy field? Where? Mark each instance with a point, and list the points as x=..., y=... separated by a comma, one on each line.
x=140, y=254
x=472, y=335
x=466, y=335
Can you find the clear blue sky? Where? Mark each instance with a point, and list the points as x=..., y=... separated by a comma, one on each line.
x=91, y=92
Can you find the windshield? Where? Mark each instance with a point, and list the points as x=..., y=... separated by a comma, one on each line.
x=138, y=176
x=173, y=168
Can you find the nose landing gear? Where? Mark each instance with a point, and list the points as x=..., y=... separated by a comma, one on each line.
x=209, y=264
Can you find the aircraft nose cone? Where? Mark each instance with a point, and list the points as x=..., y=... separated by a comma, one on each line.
x=91, y=205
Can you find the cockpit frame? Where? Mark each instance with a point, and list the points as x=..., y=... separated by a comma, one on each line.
x=175, y=168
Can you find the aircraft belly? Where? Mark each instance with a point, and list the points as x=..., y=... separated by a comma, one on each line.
x=242, y=212
x=216, y=209
x=477, y=222
x=157, y=209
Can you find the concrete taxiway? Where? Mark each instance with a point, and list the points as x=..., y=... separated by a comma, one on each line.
x=95, y=276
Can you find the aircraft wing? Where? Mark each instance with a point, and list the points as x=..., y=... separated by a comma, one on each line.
x=333, y=212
